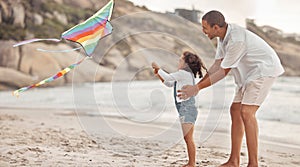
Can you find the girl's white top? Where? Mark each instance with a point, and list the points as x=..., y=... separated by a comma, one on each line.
x=181, y=76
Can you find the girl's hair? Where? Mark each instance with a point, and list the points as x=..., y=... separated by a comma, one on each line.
x=194, y=64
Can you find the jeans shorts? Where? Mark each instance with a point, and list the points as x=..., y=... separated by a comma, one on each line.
x=187, y=111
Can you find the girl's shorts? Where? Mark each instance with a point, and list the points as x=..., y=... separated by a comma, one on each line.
x=187, y=111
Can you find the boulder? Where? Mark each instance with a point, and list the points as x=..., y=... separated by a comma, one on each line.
x=19, y=14
x=6, y=11
x=37, y=19
x=80, y=4
x=0, y=16
x=45, y=64
x=14, y=79
x=9, y=56
x=35, y=66
x=39, y=64
x=59, y=1
x=61, y=17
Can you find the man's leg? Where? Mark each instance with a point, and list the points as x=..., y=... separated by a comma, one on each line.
x=237, y=133
x=251, y=130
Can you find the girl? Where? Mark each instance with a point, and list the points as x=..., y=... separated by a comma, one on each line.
x=188, y=68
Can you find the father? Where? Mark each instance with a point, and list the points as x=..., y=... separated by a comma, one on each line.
x=254, y=65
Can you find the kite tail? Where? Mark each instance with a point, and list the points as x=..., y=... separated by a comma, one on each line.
x=35, y=40
x=50, y=79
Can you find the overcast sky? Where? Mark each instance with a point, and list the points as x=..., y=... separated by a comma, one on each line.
x=282, y=14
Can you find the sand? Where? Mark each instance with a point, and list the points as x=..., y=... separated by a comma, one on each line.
x=50, y=137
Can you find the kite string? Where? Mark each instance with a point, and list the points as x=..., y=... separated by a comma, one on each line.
x=57, y=51
x=36, y=40
x=44, y=50
x=50, y=79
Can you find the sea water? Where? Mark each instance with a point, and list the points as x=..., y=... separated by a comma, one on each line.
x=149, y=100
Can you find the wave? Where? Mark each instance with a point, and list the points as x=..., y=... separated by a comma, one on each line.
x=145, y=97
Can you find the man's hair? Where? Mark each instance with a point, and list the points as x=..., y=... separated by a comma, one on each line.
x=215, y=18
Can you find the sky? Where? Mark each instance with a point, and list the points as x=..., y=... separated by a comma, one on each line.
x=281, y=14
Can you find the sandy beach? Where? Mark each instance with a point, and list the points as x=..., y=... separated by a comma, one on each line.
x=51, y=137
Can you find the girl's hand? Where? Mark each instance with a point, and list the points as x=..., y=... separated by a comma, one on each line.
x=155, y=67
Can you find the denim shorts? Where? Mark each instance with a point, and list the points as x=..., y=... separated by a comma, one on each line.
x=187, y=111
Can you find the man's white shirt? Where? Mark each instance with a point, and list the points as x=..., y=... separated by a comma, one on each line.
x=249, y=56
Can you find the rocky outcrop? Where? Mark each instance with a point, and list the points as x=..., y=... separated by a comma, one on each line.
x=37, y=19
x=25, y=65
x=13, y=12
x=10, y=57
x=62, y=18
x=18, y=13
x=11, y=78
x=6, y=11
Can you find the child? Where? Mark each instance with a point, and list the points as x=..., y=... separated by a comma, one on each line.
x=189, y=66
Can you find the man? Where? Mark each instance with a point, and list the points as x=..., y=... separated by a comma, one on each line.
x=254, y=65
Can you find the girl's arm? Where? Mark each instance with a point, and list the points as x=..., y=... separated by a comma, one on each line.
x=162, y=80
x=155, y=70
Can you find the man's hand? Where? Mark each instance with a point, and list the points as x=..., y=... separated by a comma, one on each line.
x=188, y=91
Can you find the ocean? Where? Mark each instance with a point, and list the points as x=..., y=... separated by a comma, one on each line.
x=145, y=101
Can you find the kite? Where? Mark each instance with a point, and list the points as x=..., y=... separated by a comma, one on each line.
x=87, y=34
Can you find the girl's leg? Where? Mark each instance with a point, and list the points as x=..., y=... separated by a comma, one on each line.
x=188, y=131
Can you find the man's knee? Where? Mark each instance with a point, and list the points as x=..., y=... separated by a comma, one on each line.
x=235, y=108
x=248, y=111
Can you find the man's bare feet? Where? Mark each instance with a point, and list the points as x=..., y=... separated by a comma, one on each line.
x=230, y=164
x=188, y=165
x=253, y=165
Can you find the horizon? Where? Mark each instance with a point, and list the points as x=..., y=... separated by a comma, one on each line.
x=275, y=14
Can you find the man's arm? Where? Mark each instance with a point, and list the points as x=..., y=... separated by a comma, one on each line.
x=215, y=67
x=215, y=74
x=212, y=78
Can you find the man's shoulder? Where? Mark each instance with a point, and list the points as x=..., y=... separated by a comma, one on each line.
x=237, y=33
x=236, y=27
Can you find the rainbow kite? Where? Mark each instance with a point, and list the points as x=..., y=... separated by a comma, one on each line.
x=87, y=34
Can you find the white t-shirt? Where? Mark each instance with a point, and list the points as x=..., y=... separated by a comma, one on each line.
x=181, y=76
x=248, y=56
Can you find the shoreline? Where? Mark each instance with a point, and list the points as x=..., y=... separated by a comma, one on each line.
x=278, y=125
